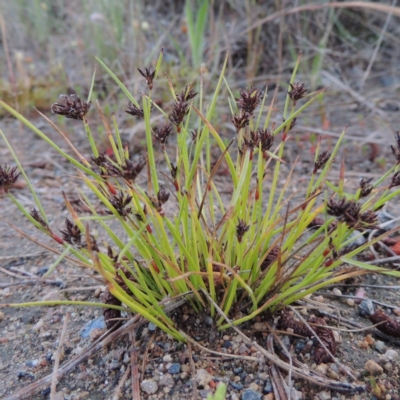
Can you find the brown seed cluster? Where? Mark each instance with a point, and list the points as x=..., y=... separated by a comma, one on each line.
x=8, y=176
x=326, y=336
x=350, y=213
x=297, y=92
x=388, y=325
x=241, y=229
x=149, y=75
x=321, y=356
x=162, y=198
x=132, y=169
x=366, y=187
x=321, y=160
x=240, y=121
x=248, y=100
x=38, y=218
x=395, y=180
x=72, y=234
x=161, y=134
x=396, y=150
x=73, y=107
x=271, y=257
x=137, y=111
x=121, y=204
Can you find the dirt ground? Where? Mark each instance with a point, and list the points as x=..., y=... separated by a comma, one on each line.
x=29, y=337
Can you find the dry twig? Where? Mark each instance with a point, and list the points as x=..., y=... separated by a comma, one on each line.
x=57, y=357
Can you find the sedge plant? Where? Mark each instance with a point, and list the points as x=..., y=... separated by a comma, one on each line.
x=261, y=247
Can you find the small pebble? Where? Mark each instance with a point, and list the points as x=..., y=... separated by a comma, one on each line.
x=373, y=368
x=184, y=375
x=336, y=335
x=203, y=377
x=237, y=339
x=39, y=325
x=350, y=302
x=325, y=395
x=253, y=386
x=236, y=385
x=174, y=369
x=227, y=344
x=299, y=346
x=362, y=344
x=390, y=355
x=151, y=327
x=149, y=386
x=369, y=339
x=251, y=395
x=322, y=369
x=208, y=320
x=388, y=367
x=380, y=346
x=333, y=374
x=268, y=387
x=320, y=299
x=97, y=323
x=396, y=311
x=32, y=363
x=167, y=380
x=242, y=348
x=360, y=295
x=366, y=308
x=259, y=326
x=337, y=292
x=167, y=358
x=238, y=370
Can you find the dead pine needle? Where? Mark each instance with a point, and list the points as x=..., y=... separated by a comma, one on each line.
x=57, y=357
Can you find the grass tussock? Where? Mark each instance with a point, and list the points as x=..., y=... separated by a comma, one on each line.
x=261, y=247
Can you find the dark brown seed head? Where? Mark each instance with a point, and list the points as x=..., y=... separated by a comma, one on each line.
x=8, y=176
x=181, y=109
x=71, y=234
x=241, y=229
x=240, y=121
x=337, y=208
x=162, y=132
x=73, y=107
x=174, y=171
x=38, y=218
x=137, y=111
x=148, y=75
x=395, y=180
x=121, y=203
x=249, y=100
x=292, y=124
x=366, y=187
x=321, y=160
x=298, y=91
x=195, y=134
x=271, y=257
x=266, y=139
x=396, y=150
x=132, y=169
x=162, y=196
x=352, y=215
x=368, y=220
x=100, y=161
x=186, y=95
